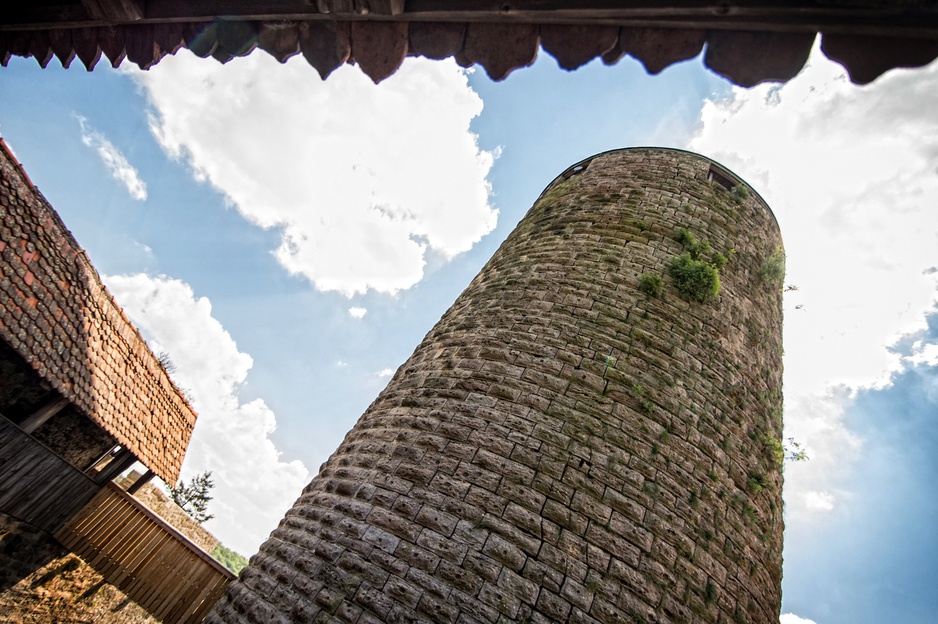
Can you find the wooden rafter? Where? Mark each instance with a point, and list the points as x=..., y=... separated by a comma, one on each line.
x=915, y=18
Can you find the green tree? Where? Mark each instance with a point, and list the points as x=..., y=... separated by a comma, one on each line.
x=229, y=558
x=194, y=496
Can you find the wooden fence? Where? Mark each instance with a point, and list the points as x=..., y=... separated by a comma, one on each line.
x=147, y=559
x=36, y=485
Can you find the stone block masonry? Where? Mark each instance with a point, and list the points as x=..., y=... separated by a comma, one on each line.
x=564, y=446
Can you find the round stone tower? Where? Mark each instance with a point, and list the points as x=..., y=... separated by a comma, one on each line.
x=592, y=433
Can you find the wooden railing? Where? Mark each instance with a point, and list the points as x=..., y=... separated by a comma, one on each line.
x=143, y=556
x=36, y=485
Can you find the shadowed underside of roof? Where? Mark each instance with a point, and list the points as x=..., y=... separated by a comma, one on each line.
x=746, y=41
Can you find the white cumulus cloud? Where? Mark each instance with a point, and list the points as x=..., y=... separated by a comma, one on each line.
x=385, y=372
x=254, y=486
x=850, y=173
x=116, y=163
x=821, y=501
x=791, y=618
x=362, y=181
x=356, y=312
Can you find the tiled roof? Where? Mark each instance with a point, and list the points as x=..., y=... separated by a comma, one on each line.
x=748, y=42
x=57, y=314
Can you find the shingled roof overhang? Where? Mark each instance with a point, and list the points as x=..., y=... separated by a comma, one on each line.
x=58, y=316
x=747, y=41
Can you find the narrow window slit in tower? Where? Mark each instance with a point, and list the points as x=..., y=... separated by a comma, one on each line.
x=721, y=177
x=576, y=169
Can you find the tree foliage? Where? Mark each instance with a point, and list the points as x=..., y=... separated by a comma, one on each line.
x=194, y=496
x=229, y=558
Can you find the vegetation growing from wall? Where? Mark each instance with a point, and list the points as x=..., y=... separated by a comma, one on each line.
x=773, y=268
x=651, y=285
x=695, y=277
x=740, y=193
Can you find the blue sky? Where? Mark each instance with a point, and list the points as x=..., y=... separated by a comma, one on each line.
x=289, y=242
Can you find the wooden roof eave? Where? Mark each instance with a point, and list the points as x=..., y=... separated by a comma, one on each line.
x=748, y=42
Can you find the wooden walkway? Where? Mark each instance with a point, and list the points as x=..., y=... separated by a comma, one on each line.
x=143, y=556
x=134, y=549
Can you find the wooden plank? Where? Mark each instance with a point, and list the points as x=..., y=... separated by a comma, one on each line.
x=125, y=457
x=85, y=42
x=86, y=517
x=60, y=42
x=917, y=18
x=500, y=48
x=749, y=58
x=201, y=38
x=360, y=7
x=436, y=40
x=142, y=49
x=16, y=457
x=69, y=534
x=867, y=58
x=111, y=42
x=149, y=540
x=155, y=570
x=13, y=443
x=44, y=477
x=325, y=46
x=91, y=527
x=174, y=593
x=33, y=478
x=40, y=48
x=146, y=566
x=658, y=48
x=8, y=431
x=186, y=610
x=6, y=47
x=379, y=48
x=122, y=544
x=168, y=36
x=236, y=37
x=175, y=533
x=80, y=491
x=45, y=489
x=216, y=591
x=20, y=457
x=574, y=46
x=114, y=10
x=279, y=39
x=103, y=531
x=157, y=590
x=198, y=586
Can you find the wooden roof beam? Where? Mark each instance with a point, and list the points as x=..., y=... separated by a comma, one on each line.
x=114, y=10
x=361, y=7
x=882, y=18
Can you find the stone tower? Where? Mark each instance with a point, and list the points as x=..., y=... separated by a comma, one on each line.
x=575, y=440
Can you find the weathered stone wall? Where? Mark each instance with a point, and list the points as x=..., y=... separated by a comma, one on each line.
x=562, y=447
x=55, y=312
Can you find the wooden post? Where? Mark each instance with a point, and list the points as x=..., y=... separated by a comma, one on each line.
x=139, y=483
x=43, y=414
x=121, y=462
